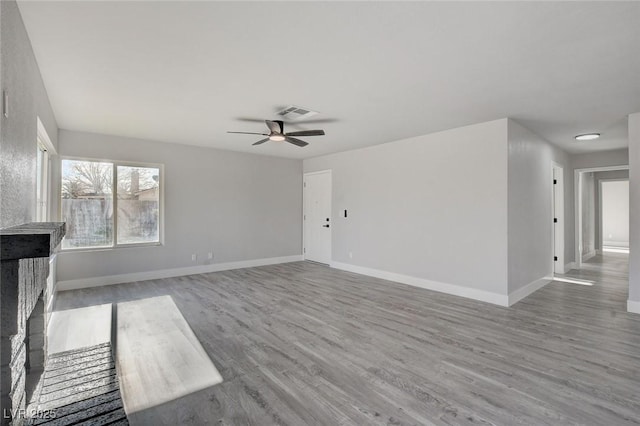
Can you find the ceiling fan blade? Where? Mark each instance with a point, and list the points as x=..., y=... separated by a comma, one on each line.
x=307, y=133
x=295, y=141
x=261, y=141
x=276, y=126
x=250, y=133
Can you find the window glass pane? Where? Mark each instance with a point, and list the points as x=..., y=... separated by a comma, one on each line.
x=87, y=203
x=138, y=204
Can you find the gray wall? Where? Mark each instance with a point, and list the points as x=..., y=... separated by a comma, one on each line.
x=20, y=77
x=432, y=207
x=530, y=204
x=240, y=206
x=634, y=208
x=600, y=176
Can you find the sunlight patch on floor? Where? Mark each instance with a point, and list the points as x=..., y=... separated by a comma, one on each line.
x=79, y=328
x=574, y=281
x=159, y=357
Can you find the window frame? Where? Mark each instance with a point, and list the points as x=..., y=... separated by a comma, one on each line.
x=42, y=182
x=114, y=192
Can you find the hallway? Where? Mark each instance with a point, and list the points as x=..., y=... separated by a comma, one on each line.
x=602, y=295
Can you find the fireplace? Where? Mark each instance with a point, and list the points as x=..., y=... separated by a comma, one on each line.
x=25, y=302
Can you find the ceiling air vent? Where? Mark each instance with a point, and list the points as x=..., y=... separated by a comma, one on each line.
x=296, y=113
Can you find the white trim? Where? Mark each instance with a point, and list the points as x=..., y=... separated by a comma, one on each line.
x=453, y=289
x=525, y=291
x=169, y=273
x=46, y=196
x=557, y=211
x=604, y=168
x=569, y=266
x=319, y=172
x=633, y=306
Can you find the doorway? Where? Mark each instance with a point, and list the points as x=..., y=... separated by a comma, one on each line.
x=317, y=216
x=602, y=202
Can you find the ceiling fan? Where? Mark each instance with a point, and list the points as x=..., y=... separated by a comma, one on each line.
x=276, y=133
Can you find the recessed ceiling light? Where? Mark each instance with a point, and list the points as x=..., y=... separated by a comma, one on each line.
x=588, y=136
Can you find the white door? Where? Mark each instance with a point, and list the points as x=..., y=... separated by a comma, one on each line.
x=317, y=216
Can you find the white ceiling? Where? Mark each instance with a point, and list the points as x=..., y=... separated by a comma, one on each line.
x=185, y=71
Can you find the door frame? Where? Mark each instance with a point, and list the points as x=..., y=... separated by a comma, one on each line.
x=304, y=213
x=557, y=211
x=577, y=189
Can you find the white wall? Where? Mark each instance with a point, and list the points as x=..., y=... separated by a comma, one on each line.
x=634, y=213
x=615, y=213
x=432, y=207
x=20, y=77
x=240, y=206
x=530, y=225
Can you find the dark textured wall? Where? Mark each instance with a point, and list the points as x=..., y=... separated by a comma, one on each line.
x=20, y=78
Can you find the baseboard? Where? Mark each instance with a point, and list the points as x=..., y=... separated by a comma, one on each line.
x=588, y=256
x=569, y=266
x=453, y=289
x=169, y=273
x=598, y=252
x=616, y=244
x=523, y=292
x=633, y=306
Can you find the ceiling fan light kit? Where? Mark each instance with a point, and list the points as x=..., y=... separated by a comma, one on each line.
x=277, y=134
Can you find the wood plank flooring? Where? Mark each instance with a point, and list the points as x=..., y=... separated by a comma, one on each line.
x=301, y=343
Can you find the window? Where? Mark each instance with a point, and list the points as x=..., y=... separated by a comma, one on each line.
x=110, y=204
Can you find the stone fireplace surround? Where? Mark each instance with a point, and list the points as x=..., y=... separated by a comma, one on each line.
x=25, y=251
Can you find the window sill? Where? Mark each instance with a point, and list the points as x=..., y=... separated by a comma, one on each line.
x=108, y=248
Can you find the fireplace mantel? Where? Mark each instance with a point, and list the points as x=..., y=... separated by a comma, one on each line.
x=30, y=240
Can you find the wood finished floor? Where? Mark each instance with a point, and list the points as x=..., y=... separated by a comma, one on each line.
x=301, y=343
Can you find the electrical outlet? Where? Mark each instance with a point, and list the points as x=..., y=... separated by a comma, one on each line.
x=350, y=255
x=210, y=255
x=194, y=257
